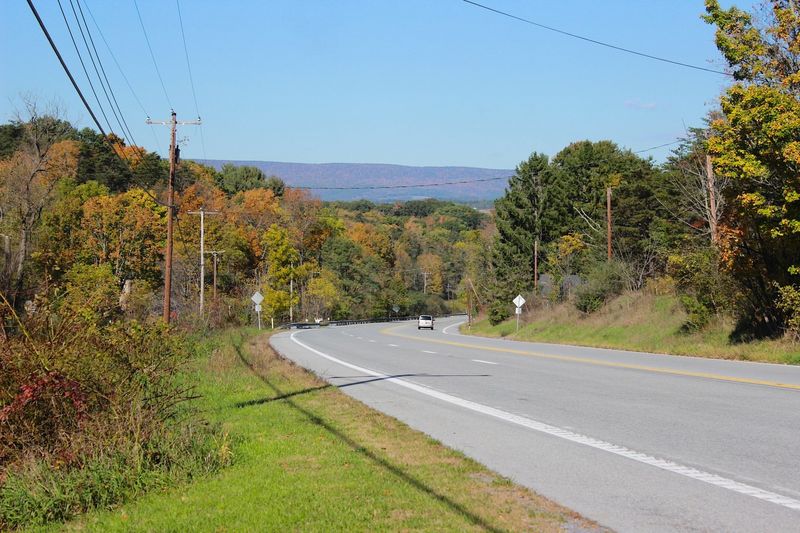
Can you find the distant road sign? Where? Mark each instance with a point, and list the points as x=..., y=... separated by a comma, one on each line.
x=258, y=308
x=395, y=308
x=519, y=300
x=257, y=298
x=519, y=310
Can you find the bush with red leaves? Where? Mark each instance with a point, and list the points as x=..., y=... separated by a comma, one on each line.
x=46, y=410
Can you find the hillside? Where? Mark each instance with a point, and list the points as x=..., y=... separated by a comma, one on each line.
x=639, y=321
x=361, y=174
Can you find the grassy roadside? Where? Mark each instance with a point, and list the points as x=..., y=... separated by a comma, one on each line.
x=307, y=457
x=638, y=322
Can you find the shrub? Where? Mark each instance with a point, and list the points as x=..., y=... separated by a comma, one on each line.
x=94, y=411
x=603, y=282
x=789, y=304
x=498, y=312
x=704, y=289
x=698, y=314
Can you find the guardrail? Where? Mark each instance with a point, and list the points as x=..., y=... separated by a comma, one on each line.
x=310, y=325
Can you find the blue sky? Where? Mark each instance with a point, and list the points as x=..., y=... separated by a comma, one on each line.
x=417, y=82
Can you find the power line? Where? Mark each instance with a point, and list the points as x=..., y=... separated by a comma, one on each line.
x=83, y=98
x=191, y=78
x=595, y=41
x=372, y=187
x=444, y=183
x=86, y=72
x=64, y=66
x=103, y=70
x=657, y=147
x=122, y=128
x=111, y=53
x=124, y=77
x=152, y=55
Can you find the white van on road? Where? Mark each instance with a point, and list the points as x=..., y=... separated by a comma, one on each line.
x=425, y=321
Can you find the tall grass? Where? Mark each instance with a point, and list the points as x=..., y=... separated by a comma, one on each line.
x=640, y=321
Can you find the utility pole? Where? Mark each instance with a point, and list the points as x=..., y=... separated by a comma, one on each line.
x=469, y=307
x=712, y=199
x=536, y=265
x=215, y=253
x=173, y=163
x=203, y=214
x=291, y=294
x=608, y=221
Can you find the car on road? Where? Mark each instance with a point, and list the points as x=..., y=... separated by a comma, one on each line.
x=425, y=321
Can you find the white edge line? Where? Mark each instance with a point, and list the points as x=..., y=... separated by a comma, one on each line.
x=452, y=326
x=663, y=464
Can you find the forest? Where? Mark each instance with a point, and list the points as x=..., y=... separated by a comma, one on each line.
x=92, y=388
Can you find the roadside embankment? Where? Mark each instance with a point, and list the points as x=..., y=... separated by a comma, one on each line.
x=638, y=321
x=307, y=457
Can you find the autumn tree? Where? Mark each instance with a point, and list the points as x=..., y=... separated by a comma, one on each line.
x=756, y=146
x=28, y=185
x=126, y=231
x=282, y=260
x=431, y=269
x=321, y=295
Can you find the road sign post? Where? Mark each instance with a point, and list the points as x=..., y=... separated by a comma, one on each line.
x=257, y=298
x=518, y=302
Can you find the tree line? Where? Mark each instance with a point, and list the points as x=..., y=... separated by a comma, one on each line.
x=720, y=220
x=78, y=209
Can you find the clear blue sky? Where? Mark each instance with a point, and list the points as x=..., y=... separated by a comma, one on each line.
x=418, y=82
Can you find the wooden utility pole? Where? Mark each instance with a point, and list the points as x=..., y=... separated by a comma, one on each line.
x=291, y=294
x=173, y=163
x=712, y=199
x=536, y=265
x=202, y=212
x=215, y=253
x=608, y=221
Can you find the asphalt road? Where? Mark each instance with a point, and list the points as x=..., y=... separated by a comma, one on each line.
x=637, y=442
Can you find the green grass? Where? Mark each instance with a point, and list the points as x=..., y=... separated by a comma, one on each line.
x=308, y=458
x=639, y=322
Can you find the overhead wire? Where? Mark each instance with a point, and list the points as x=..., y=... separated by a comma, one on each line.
x=88, y=107
x=595, y=41
x=85, y=71
x=120, y=122
x=122, y=73
x=65, y=67
x=444, y=183
x=152, y=55
x=103, y=70
x=191, y=78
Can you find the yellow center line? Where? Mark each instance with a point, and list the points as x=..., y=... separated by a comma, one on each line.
x=596, y=362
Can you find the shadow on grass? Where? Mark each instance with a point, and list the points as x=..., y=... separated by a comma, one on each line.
x=261, y=401
x=394, y=469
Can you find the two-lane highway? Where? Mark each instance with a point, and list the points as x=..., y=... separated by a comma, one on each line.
x=638, y=442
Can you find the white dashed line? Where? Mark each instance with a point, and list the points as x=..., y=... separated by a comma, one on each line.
x=427, y=351
x=372, y=340
x=393, y=345
x=571, y=436
x=484, y=362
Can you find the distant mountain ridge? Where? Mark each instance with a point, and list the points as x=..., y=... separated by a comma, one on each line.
x=376, y=174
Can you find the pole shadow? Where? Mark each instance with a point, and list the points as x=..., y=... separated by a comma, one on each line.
x=394, y=469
